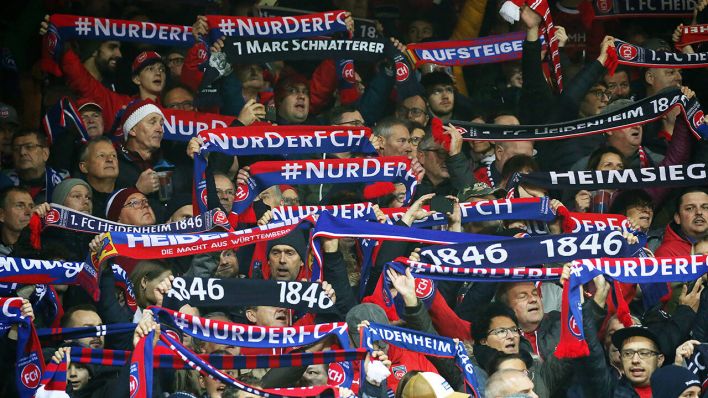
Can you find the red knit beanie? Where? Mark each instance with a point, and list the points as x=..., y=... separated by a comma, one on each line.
x=117, y=202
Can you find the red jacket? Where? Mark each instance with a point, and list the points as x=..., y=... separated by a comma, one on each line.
x=673, y=244
x=402, y=362
x=81, y=82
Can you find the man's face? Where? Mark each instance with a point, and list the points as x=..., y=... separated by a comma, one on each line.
x=398, y=142
x=271, y=197
x=618, y=85
x=284, y=262
x=503, y=335
x=6, y=132
x=295, y=106
x=521, y=384
x=595, y=101
x=93, y=120
x=215, y=388
x=414, y=109
x=641, y=214
x=251, y=76
x=268, y=316
x=315, y=375
x=28, y=154
x=16, y=213
x=290, y=198
x=353, y=119
x=179, y=98
x=101, y=162
x=137, y=211
x=626, y=137
x=692, y=214
x=228, y=265
x=507, y=150
x=107, y=56
x=152, y=78
x=225, y=191
x=419, y=30
x=79, y=199
x=526, y=303
x=175, y=61
x=433, y=161
x=78, y=376
x=639, y=370
x=82, y=318
x=416, y=136
x=442, y=99
x=148, y=132
x=661, y=78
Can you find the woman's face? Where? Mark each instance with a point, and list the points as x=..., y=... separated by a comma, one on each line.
x=150, y=285
x=79, y=199
x=610, y=161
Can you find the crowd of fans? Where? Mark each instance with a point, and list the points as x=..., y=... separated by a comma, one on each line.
x=123, y=91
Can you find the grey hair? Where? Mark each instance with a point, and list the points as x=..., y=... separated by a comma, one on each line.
x=500, y=382
x=384, y=126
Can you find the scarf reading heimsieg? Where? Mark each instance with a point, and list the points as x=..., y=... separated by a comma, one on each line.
x=629, y=270
x=395, y=169
x=50, y=272
x=537, y=209
x=638, y=113
x=69, y=27
x=315, y=24
x=484, y=50
x=30, y=362
x=633, y=55
x=63, y=217
x=423, y=343
x=266, y=140
x=679, y=175
x=532, y=250
x=205, y=293
x=692, y=34
x=150, y=246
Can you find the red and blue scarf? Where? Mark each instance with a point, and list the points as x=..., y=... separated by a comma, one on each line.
x=30, y=361
x=51, y=272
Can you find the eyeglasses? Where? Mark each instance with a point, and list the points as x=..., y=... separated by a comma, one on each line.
x=137, y=203
x=184, y=105
x=441, y=153
x=504, y=332
x=643, y=354
x=410, y=112
x=415, y=140
x=291, y=201
x=529, y=373
x=27, y=147
x=600, y=92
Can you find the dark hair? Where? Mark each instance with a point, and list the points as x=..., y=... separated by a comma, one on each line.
x=517, y=163
x=335, y=115
x=149, y=269
x=65, y=320
x=177, y=85
x=41, y=138
x=479, y=326
x=596, y=156
x=499, y=357
x=687, y=191
x=631, y=197
x=435, y=78
x=5, y=192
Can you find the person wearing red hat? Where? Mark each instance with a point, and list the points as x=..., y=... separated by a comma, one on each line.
x=148, y=70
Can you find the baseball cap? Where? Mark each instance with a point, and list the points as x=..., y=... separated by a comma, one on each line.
x=8, y=115
x=430, y=385
x=620, y=336
x=672, y=380
x=478, y=190
x=144, y=59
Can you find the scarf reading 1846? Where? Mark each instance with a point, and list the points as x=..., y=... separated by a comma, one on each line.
x=640, y=112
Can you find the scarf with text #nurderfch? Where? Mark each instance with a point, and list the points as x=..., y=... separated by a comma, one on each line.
x=63, y=217
x=680, y=175
x=51, y=272
x=531, y=250
x=265, y=140
x=210, y=292
x=395, y=169
x=484, y=210
x=633, y=55
x=363, y=28
x=150, y=246
x=30, y=362
x=638, y=113
x=353, y=211
x=69, y=27
x=286, y=27
x=253, y=336
x=426, y=344
x=628, y=270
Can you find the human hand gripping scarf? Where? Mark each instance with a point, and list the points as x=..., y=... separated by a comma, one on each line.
x=30, y=361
